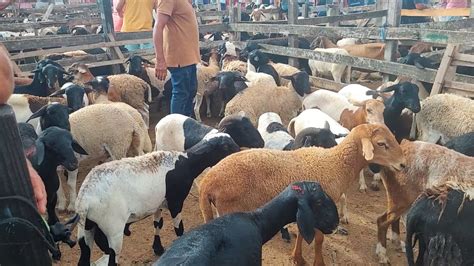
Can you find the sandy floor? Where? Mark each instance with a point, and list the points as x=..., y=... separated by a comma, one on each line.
x=357, y=248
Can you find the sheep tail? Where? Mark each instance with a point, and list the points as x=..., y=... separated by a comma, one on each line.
x=81, y=210
x=148, y=91
x=206, y=208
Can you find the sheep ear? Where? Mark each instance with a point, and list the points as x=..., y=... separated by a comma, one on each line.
x=287, y=77
x=77, y=148
x=342, y=135
x=326, y=125
x=391, y=88
x=367, y=149
x=57, y=93
x=419, y=65
x=39, y=155
x=307, y=142
x=38, y=113
x=305, y=220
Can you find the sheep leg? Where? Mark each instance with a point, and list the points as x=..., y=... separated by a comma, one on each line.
x=71, y=183
x=375, y=182
x=197, y=107
x=52, y=199
x=362, y=184
x=396, y=235
x=337, y=76
x=158, y=224
x=222, y=111
x=61, y=196
x=208, y=106
x=115, y=246
x=86, y=243
x=383, y=222
x=297, y=256
x=318, y=249
x=285, y=234
x=343, y=209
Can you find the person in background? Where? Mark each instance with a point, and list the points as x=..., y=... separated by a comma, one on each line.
x=137, y=16
x=223, y=4
x=4, y=4
x=176, y=40
x=415, y=4
x=448, y=4
x=118, y=20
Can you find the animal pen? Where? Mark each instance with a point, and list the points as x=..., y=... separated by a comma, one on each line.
x=456, y=38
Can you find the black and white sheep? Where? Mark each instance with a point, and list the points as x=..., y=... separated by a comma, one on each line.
x=177, y=132
x=274, y=133
x=158, y=177
x=229, y=83
x=259, y=62
x=441, y=220
x=241, y=235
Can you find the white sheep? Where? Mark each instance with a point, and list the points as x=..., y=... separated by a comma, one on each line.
x=317, y=119
x=337, y=71
x=443, y=117
x=121, y=192
x=347, y=41
x=105, y=130
x=273, y=132
x=357, y=94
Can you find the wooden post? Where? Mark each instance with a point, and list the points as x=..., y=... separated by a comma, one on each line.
x=381, y=5
x=393, y=20
x=305, y=10
x=293, y=39
x=105, y=7
x=472, y=9
x=15, y=181
x=238, y=18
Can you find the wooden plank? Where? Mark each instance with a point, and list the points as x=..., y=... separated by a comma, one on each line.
x=471, y=14
x=459, y=88
x=400, y=33
x=43, y=24
x=116, y=52
x=326, y=84
x=334, y=19
x=52, y=41
x=435, y=12
x=443, y=69
x=426, y=75
x=359, y=8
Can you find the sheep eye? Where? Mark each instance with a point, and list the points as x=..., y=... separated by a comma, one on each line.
x=382, y=144
x=369, y=111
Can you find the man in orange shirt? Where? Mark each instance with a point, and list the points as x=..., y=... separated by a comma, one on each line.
x=176, y=40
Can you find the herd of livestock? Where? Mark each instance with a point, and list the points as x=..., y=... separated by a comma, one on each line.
x=283, y=152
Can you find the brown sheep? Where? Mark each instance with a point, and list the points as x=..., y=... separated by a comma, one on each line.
x=248, y=179
x=427, y=165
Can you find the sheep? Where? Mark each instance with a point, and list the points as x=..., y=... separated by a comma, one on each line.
x=347, y=41
x=441, y=220
x=356, y=94
x=176, y=132
x=427, y=165
x=229, y=83
x=159, y=177
x=291, y=76
x=39, y=86
x=206, y=86
x=123, y=88
x=463, y=144
x=230, y=185
x=274, y=133
x=338, y=107
x=367, y=50
x=259, y=62
x=337, y=71
x=140, y=67
x=443, y=117
x=243, y=234
x=315, y=137
x=317, y=119
x=259, y=99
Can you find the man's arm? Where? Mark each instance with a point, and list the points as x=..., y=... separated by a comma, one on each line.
x=160, y=67
x=421, y=4
x=119, y=7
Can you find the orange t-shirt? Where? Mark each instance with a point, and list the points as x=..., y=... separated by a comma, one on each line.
x=180, y=35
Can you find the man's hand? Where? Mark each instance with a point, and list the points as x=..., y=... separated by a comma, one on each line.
x=421, y=6
x=161, y=69
x=38, y=188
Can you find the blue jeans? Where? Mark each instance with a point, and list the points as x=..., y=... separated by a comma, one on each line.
x=184, y=81
x=133, y=47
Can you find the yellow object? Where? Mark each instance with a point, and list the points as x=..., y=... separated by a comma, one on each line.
x=138, y=15
x=461, y=12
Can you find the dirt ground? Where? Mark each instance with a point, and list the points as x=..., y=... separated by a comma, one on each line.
x=357, y=248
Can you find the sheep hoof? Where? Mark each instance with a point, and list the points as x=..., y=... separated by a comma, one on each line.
x=70, y=208
x=298, y=261
x=363, y=188
x=402, y=247
x=285, y=235
x=375, y=186
x=382, y=254
x=342, y=231
x=61, y=207
x=344, y=220
x=158, y=251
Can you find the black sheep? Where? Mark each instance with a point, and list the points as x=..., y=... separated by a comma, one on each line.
x=463, y=144
x=53, y=114
x=237, y=239
x=441, y=220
